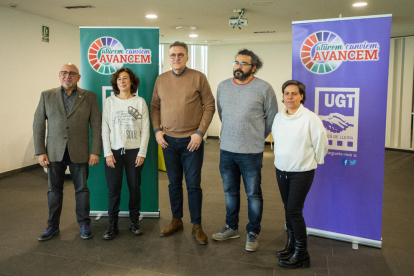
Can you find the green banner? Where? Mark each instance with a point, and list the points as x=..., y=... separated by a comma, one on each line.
x=103, y=51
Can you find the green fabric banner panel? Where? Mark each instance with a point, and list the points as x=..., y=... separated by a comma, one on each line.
x=103, y=51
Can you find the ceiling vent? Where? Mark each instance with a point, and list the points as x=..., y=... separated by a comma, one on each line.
x=79, y=7
x=265, y=32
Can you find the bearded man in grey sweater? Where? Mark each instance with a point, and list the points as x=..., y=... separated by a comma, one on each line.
x=246, y=106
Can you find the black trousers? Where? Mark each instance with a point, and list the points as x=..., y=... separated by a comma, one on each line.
x=114, y=181
x=79, y=173
x=294, y=187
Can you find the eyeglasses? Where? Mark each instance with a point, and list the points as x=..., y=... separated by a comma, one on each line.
x=173, y=56
x=65, y=73
x=235, y=63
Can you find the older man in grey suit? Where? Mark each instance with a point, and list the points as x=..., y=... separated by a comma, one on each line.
x=69, y=111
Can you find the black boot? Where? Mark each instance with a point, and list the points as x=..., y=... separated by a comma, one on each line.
x=112, y=230
x=300, y=257
x=289, y=249
x=135, y=228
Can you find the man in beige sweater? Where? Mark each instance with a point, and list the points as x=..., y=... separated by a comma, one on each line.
x=182, y=108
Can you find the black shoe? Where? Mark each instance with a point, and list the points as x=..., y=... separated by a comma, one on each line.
x=112, y=230
x=289, y=249
x=300, y=257
x=49, y=233
x=135, y=229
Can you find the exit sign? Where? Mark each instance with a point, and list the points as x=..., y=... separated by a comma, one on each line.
x=45, y=34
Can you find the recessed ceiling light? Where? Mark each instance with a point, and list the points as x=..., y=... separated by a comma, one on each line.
x=151, y=16
x=360, y=4
x=181, y=28
x=193, y=35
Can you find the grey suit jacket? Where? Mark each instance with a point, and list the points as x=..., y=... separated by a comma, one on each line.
x=72, y=129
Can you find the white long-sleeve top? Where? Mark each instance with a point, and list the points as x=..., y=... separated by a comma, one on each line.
x=300, y=140
x=125, y=124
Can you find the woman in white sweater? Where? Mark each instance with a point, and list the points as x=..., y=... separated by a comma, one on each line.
x=125, y=135
x=300, y=144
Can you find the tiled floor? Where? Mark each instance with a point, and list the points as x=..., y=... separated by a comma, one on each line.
x=23, y=211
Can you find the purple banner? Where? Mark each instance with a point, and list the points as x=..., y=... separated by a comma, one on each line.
x=344, y=64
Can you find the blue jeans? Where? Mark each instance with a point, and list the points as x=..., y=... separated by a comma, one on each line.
x=178, y=160
x=79, y=173
x=248, y=166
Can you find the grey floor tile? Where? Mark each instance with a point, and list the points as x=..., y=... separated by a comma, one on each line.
x=23, y=213
x=108, y=270
x=223, y=267
x=140, y=272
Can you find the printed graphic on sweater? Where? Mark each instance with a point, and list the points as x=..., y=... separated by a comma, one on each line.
x=338, y=109
x=126, y=119
x=134, y=113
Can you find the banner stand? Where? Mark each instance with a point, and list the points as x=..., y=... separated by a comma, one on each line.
x=344, y=64
x=104, y=50
x=124, y=214
x=342, y=237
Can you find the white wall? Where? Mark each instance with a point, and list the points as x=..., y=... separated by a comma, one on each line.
x=277, y=68
x=28, y=67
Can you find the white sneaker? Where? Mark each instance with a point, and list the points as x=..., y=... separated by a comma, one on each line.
x=225, y=234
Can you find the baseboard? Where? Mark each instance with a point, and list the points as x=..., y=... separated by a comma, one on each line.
x=27, y=168
x=216, y=137
x=402, y=150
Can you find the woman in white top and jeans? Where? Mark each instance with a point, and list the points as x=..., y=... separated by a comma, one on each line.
x=300, y=144
x=125, y=135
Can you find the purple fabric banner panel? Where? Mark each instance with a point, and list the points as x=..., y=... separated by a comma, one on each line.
x=344, y=64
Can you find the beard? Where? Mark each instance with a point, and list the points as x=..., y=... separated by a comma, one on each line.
x=242, y=75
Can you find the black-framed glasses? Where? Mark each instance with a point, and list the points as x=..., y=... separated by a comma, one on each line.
x=173, y=56
x=235, y=63
x=65, y=73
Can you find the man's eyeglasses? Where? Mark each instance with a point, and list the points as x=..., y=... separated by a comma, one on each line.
x=65, y=73
x=235, y=63
x=173, y=56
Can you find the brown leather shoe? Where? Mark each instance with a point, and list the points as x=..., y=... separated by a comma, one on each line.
x=199, y=235
x=175, y=226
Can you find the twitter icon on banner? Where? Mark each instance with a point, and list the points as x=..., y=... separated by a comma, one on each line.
x=348, y=162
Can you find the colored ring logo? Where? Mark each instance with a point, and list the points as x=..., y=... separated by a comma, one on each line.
x=104, y=45
x=318, y=42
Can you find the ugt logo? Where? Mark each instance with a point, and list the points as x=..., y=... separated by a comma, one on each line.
x=338, y=109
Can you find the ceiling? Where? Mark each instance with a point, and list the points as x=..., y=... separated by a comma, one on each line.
x=211, y=17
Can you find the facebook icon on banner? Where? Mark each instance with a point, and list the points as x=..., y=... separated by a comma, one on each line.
x=338, y=109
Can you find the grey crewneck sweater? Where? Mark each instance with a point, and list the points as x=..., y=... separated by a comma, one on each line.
x=247, y=113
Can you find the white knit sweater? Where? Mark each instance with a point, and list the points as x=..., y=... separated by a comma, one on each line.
x=125, y=125
x=300, y=140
